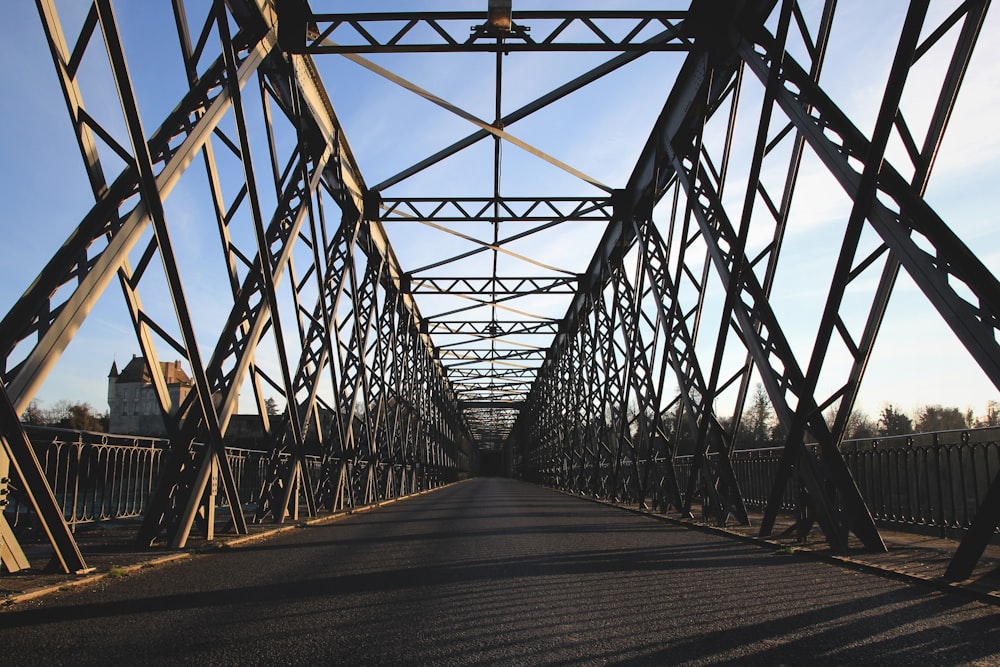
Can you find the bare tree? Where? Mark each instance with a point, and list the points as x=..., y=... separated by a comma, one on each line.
x=992, y=416
x=34, y=415
x=758, y=419
x=860, y=425
x=66, y=414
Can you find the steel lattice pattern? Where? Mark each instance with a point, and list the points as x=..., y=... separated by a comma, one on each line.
x=587, y=370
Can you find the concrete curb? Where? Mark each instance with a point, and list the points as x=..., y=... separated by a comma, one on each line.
x=93, y=578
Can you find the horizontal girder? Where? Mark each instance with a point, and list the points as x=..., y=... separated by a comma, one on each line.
x=491, y=405
x=490, y=286
x=507, y=354
x=491, y=328
x=496, y=209
x=437, y=32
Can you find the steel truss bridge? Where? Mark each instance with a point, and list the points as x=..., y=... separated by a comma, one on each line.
x=314, y=304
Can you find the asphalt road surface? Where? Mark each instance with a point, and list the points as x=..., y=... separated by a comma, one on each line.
x=490, y=572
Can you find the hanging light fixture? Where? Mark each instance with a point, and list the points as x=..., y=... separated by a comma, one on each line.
x=500, y=15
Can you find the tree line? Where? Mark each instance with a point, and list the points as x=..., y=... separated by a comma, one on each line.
x=78, y=416
x=760, y=428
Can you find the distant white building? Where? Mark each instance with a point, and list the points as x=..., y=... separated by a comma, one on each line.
x=132, y=405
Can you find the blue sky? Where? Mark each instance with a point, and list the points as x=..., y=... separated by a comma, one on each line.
x=598, y=131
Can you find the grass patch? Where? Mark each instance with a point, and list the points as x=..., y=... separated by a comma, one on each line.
x=787, y=550
x=116, y=572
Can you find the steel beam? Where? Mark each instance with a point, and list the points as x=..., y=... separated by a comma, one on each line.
x=491, y=328
x=719, y=479
x=107, y=234
x=493, y=209
x=522, y=112
x=493, y=286
x=841, y=146
x=645, y=431
x=701, y=84
x=54, y=323
x=288, y=449
x=829, y=482
x=411, y=32
x=18, y=454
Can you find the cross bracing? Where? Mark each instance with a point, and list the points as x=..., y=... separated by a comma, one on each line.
x=449, y=31
x=587, y=319
x=504, y=209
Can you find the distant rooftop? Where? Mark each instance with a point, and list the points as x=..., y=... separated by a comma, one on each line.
x=136, y=370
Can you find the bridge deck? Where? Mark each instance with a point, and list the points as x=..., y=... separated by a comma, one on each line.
x=494, y=571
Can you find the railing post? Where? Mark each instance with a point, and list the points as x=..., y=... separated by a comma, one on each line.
x=74, y=461
x=940, y=485
x=211, y=496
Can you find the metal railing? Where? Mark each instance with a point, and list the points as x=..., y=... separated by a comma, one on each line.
x=103, y=477
x=933, y=479
x=930, y=480
x=925, y=480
